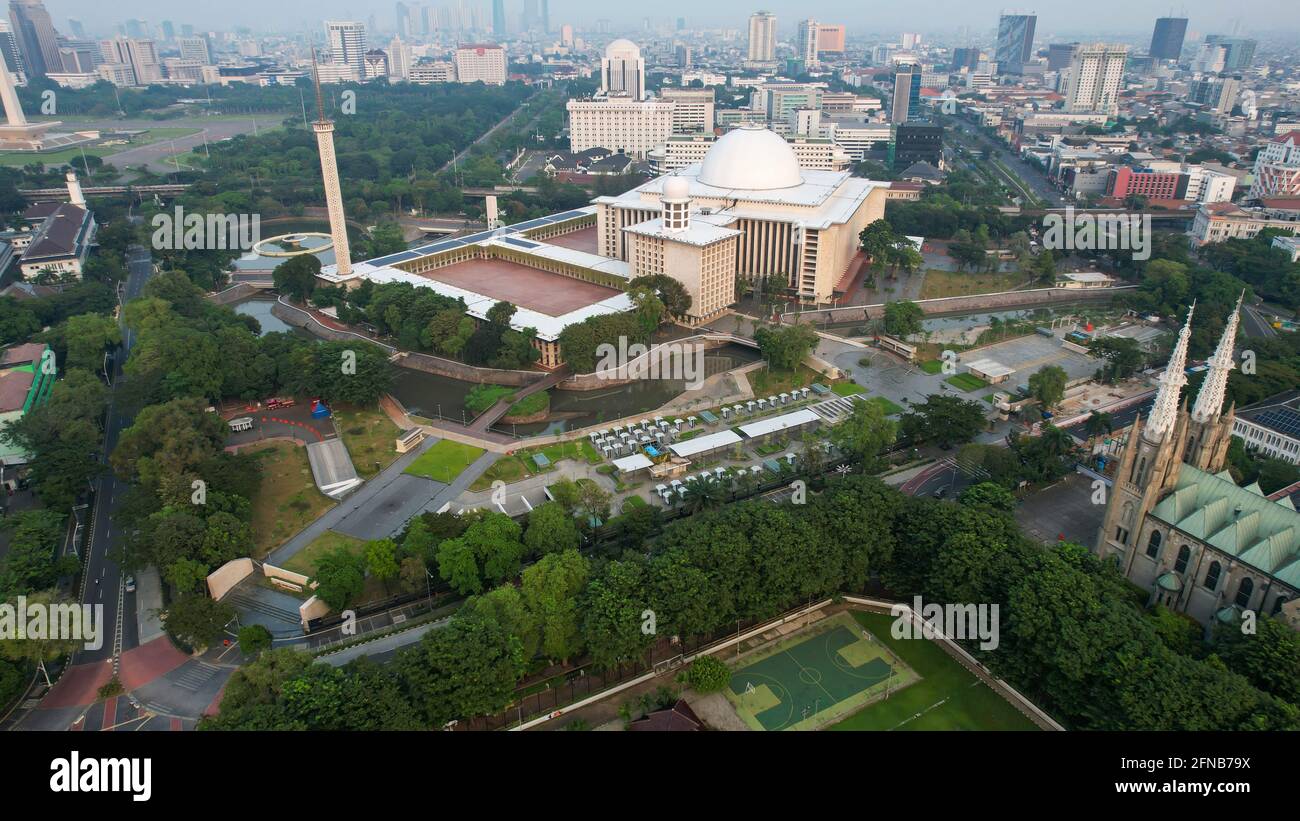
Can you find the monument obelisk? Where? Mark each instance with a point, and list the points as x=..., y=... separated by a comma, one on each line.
x=324, y=128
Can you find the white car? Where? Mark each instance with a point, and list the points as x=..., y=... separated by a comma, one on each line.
x=130, y=584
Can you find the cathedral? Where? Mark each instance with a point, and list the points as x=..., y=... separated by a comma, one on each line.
x=1176, y=522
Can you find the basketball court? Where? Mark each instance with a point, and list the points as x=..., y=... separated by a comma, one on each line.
x=536, y=290
x=815, y=677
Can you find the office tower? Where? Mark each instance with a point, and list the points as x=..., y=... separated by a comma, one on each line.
x=399, y=59
x=967, y=58
x=1240, y=52
x=136, y=29
x=187, y=30
x=78, y=30
x=329, y=169
x=1218, y=94
x=762, y=37
x=622, y=70
x=80, y=56
x=402, y=15
x=140, y=55
x=909, y=40
x=9, y=48
x=830, y=37
x=195, y=48
x=545, y=16
x=681, y=24
x=481, y=62
x=905, y=79
x=1015, y=42
x=1060, y=55
x=566, y=35
x=37, y=39
x=499, y=18
x=347, y=42
x=1094, y=79
x=807, y=42
x=168, y=30
x=1167, y=38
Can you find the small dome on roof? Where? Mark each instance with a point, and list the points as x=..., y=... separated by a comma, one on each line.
x=622, y=48
x=677, y=188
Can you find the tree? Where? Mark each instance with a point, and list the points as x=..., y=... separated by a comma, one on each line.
x=254, y=639
x=785, y=346
x=381, y=559
x=412, y=574
x=29, y=564
x=672, y=294
x=988, y=494
x=197, y=621
x=707, y=675
x=1098, y=424
x=903, y=318
x=864, y=433
x=296, y=276
x=489, y=550
x=551, y=529
x=1047, y=385
x=1270, y=658
x=340, y=577
x=1123, y=357
x=46, y=647
x=943, y=420
x=88, y=337
x=612, y=609
x=550, y=591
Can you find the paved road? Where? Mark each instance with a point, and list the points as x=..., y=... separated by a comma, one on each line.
x=1027, y=173
x=102, y=583
x=1255, y=323
x=155, y=156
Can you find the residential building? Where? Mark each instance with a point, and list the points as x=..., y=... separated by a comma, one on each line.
x=1094, y=79
x=347, y=44
x=1277, y=168
x=806, y=42
x=762, y=37
x=620, y=124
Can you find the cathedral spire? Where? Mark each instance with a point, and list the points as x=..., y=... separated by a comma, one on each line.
x=1164, y=411
x=1209, y=402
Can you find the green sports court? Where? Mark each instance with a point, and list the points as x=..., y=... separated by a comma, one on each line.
x=818, y=676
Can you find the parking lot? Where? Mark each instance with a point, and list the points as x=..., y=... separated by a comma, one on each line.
x=1027, y=355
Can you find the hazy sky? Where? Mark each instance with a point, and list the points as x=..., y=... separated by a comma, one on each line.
x=880, y=16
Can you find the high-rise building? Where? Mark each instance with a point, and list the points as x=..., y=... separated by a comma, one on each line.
x=968, y=58
x=566, y=35
x=1167, y=38
x=622, y=70
x=499, y=18
x=807, y=42
x=1240, y=52
x=1094, y=79
x=402, y=14
x=1015, y=42
x=481, y=62
x=1217, y=93
x=762, y=37
x=140, y=55
x=9, y=48
x=1277, y=168
x=907, y=93
x=692, y=109
x=77, y=29
x=399, y=59
x=168, y=30
x=1060, y=55
x=347, y=43
x=830, y=37
x=37, y=39
x=195, y=48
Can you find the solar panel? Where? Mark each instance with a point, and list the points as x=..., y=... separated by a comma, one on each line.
x=1282, y=420
x=522, y=243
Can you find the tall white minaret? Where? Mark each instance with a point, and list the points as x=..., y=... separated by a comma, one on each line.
x=1164, y=412
x=329, y=169
x=74, y=190
x=676, y=202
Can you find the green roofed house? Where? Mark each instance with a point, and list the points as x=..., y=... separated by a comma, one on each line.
x=24, y=384
x=1179, y=526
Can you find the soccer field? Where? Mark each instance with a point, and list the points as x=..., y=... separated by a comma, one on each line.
x=820, y=675
x=947, y=696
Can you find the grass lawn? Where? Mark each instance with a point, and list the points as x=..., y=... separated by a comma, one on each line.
x=633, y=502
x=444, y=461
x=847, y=388
x=889, y=407
x=371, y=437
x=967, y=703
x=288, y=500
x=966, y=382
x=577, y=449
x=482, y=397
x=932, y=366
x=304, y=561
x=955, y=283
x=767, y=382
x=506, y=469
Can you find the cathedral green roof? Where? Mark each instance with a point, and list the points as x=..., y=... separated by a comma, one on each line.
x=1239, y=521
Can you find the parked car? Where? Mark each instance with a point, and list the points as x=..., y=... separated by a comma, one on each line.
x=941, y=492
x=130, y=584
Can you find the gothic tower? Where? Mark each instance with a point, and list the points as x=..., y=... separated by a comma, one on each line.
x=1210, y=430
x=1150, y=462
x=329, y=170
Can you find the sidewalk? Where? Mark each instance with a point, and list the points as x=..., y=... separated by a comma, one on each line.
x=148, y=601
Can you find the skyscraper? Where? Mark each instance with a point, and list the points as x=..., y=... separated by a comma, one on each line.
x=195, y=48
x=1094, y=79
x=807, y=42
x=499, y=18
x=622, y=70
x=9, y=48
x=347, y=42
x=329, y=168
x=1240, y=51
x=907, y=93
x=1167, y=38
x=762, y=37
x=1015, y=42
x=37, y=39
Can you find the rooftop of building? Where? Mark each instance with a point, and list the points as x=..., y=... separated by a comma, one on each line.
x=704, y=229
x=62, y=234
x=1280, y=412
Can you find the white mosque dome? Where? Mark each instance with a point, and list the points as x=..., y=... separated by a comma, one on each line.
x=751, y=157
x=677, y=188
x=622, y=49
